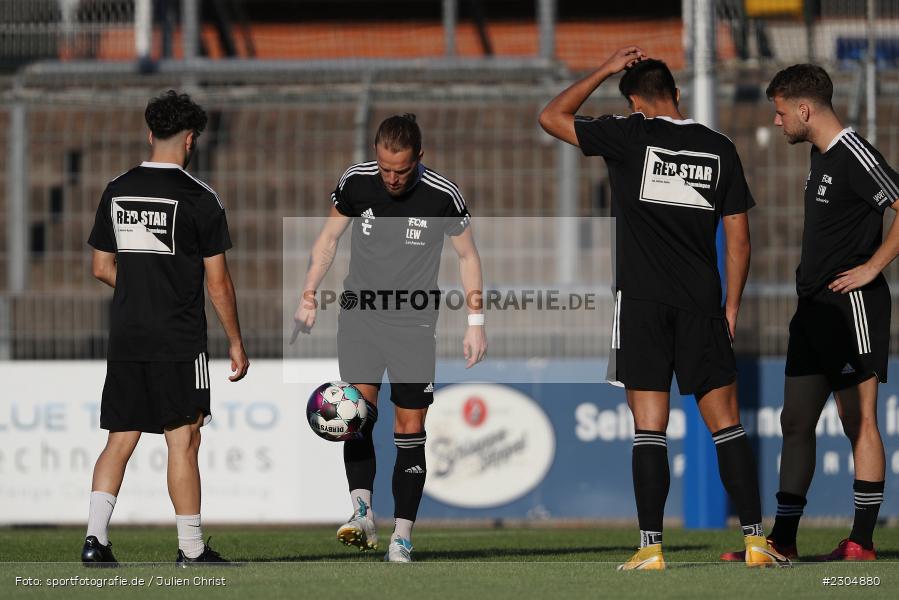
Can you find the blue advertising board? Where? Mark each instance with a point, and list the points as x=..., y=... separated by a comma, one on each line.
x=589, y=468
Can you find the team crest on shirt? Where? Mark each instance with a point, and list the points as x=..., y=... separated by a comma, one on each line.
x=414, y=228
x=145, y=225
x=680, y=178
x=822, y=189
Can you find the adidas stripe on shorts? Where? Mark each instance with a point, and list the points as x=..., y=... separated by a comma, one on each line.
x=151, y=396
x=845, y=337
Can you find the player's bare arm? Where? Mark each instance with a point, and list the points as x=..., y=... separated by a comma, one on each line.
x=557, y=119
x=221, y=293
x=865, y=273
x=323, y=252
x=737, y=250
x=103, y=267
x=474, y=344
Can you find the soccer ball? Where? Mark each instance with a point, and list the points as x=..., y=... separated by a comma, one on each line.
x=336, y=411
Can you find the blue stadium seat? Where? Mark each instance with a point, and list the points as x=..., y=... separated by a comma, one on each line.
x=852, y=49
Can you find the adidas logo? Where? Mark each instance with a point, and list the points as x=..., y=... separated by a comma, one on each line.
x=430, y=388
x=368, y=214
x=847, y=369
x=416, y=470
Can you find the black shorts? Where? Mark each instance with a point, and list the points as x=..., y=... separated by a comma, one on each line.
x=153, y=396
x=366, y=347
x=651, y=341
x=845, y=337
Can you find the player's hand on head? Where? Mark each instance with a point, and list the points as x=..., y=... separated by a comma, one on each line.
x=240, y=364
x=624, y=58
x=853, y=279
x=474, y=345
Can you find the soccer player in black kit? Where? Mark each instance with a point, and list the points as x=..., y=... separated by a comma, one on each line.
x=672, y=181
x=400, y=212
x=840, y=333
x=158, y=232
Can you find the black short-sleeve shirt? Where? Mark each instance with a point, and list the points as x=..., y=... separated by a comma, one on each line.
x=161, y=222
x=397, y=240
x=847, y=190
x=671, y=182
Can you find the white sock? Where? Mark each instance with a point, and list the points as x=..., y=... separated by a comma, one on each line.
x=99, y=515
x=403, y=528
x=364, y=496
x=650, y=538
x=190, y=535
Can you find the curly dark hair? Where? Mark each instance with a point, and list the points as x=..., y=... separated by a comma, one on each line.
x=171, y=113
x=398, y=133
x=802, y=81
x=650, y=79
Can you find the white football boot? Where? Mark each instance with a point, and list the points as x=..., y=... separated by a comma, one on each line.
x=399, y=550
x=359, y=531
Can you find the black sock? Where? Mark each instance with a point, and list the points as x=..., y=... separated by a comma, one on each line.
x=359, y=455
x=736, y=466
x=786, y=523
x=651, y=478
x=409, y=473
x=868, y=498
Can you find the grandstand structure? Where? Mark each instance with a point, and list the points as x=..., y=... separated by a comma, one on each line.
x=295, y=89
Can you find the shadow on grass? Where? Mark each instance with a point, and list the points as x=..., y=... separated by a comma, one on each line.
x=497, y=554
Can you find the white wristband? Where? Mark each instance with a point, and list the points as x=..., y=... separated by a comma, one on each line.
x=476, y=319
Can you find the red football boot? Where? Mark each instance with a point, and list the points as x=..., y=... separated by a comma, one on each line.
x=849, y=550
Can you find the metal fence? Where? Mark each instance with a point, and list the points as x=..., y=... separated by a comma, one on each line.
x=282, y=131
x=275, y=152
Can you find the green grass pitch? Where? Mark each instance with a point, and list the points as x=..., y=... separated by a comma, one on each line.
x=451, y=563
